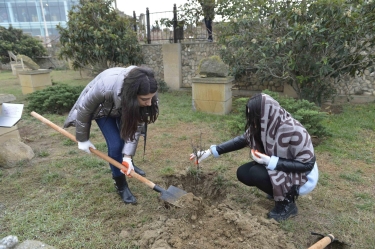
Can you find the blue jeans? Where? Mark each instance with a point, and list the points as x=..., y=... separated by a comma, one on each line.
x=111, y=132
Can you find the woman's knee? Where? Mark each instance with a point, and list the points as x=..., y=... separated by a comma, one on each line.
x=243, y=172
x=115, y=148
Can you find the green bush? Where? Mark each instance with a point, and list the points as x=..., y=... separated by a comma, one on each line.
x=237, y=122
x=304, y=111
x=56, y=99
x=163, y=87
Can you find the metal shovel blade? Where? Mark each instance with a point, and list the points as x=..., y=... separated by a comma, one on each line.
x=171, y=195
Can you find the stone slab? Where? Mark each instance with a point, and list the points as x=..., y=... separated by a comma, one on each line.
x=5, y=98
x=8, y=133
x=34, y=80
x=212, y=92
x=213, y=80
x=354, y=99
x=15, y=66
x=172, y=65
x=289, y=91
x=27, y=90
x=214, y=107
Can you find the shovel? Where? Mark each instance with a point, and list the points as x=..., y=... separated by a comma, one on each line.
x=171, y=195
x=325, y=241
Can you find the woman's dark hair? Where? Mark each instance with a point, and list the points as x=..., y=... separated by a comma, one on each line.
x=253, y=125
x=139, y=81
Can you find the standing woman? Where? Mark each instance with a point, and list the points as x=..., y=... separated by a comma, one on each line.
x=284, y=163
x=121, y=101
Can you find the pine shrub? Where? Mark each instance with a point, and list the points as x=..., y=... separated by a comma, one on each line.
x=56, y=99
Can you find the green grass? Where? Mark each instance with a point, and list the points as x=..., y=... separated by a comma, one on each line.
x=66, y=198
x=353, y=134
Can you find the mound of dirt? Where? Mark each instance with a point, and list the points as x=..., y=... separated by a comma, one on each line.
x=219, y=226
x=200, y=222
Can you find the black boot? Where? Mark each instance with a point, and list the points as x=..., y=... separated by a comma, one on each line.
x=286, y=208
x=283, y=210
x=139, y=171
x=123, y=190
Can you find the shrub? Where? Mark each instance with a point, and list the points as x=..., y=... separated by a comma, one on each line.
x=237, y=122
x=304, y=111
x=163, y=87
x=56, y=99
x=12, y=39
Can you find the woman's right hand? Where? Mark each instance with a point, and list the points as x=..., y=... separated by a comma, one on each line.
x=200, y=156
x=85, y=146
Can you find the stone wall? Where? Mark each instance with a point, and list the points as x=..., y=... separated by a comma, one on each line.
x=360, y=85
x=193, y=52
x=154, y=59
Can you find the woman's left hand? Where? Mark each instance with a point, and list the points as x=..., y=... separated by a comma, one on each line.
x=260, y=157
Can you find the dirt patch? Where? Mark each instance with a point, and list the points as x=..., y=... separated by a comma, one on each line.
x=208, y=219
x=217, y=212
x=331, y=108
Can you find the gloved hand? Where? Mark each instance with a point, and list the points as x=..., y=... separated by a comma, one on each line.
x=85, y=146
x=201, y=155
x=128, y=163
x=260, y=157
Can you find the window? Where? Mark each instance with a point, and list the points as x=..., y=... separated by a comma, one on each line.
x=25, y=12
x=54, y=11
x=4, y=14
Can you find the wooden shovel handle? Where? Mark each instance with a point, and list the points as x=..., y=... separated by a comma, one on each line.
x=323, y=242
x=94, y=151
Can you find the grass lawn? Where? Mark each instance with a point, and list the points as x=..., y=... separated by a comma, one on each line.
x=66, y=198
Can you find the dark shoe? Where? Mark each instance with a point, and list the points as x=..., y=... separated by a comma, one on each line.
x=283, y=210
x=123, y=190
x=139, y=171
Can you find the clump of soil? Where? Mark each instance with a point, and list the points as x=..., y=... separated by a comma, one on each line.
x=206, y=218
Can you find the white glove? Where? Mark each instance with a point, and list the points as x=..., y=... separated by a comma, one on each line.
x=260, y=157
x=128, y=163
x=85, y=146
x=201, y=155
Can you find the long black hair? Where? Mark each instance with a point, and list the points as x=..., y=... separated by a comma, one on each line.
x=139, y=81
x=253, y=122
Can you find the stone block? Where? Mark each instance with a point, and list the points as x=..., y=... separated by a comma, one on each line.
x=214, y=107
x=212, y=92
x=212, y=95
x=4, y=98
x=16, y=68
x=289, y=91
x=8, y=133
x=13, y=64
x=172, y=65
x=34, y=80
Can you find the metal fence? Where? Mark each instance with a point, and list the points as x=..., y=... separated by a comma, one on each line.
x=166, y=27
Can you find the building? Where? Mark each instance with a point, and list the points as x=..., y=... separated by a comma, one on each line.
x=36, y=17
